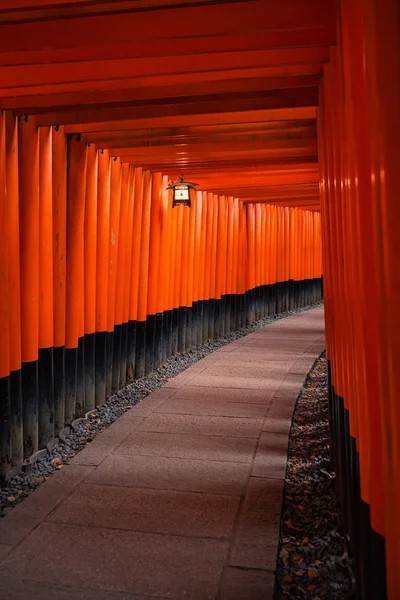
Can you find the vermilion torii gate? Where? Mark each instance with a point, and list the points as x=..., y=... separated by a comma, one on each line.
x=282, y=112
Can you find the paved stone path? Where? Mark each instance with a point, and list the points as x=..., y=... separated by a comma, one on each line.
x=181, y=497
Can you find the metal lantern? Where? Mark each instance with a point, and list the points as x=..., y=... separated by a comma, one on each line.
x=181, y=192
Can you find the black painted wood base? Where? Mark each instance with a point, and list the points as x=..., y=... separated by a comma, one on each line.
x=367, y=546
x=45, y=396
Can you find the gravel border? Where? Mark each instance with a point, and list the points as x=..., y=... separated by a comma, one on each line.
x=73, y=439
x=313, y=561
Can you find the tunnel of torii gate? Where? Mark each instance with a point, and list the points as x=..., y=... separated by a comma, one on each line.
x=286, y=115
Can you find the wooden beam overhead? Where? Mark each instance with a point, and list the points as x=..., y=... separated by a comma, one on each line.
x=224, y=92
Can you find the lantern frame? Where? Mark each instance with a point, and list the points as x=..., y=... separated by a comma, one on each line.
x=181, y=186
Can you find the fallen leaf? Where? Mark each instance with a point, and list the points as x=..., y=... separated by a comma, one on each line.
x=284, y=556
x=312, y=572
x=11, y=499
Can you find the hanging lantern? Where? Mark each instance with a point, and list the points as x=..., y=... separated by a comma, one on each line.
x=181, y=192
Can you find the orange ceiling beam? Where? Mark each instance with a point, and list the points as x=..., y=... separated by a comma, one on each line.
x=269, y=99
x=225, y=92
x=194, y=120
x=199, y=44
x=51, y=74
x=210, y=20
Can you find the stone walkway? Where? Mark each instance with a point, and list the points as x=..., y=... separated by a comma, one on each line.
x=181, y=497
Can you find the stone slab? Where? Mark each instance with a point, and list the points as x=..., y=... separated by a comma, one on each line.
x=148, y=510
x=4, y=550
x=151, y=402
x=247, y=584
x=257, y=536
x=211, y=395
x=243, y=382
x=264, y=371
x=221, y=408
x=27, y=515
x=278, y=424
x=120, y=561
x=183, y=378
x=203, y=425
x=200, y=447
x=109, y=439
x=11, y=589
x=158, y=472
x=271, y=456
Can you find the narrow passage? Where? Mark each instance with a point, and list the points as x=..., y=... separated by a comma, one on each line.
x=181, y=497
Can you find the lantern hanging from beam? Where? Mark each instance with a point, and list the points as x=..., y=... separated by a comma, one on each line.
x=181, y=192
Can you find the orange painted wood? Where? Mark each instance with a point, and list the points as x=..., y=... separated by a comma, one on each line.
x=209, y=198
x=76, y=184
x=90, y=247
x=144, y=248
x=125, y=221
x=12, y=193
x=29, y=237
x=46, y=326
x=136, y=240
x=173, y=249
x=129, y=241
x=142, y=26
x=155, y=243
x=59, y=192
x=203, y=245
x=191, y=249
x=255, y=116
x=4, y=258
x=103, y=244
x=178, y=254
x=165, y=241
x=113, y=252
x=198, y=209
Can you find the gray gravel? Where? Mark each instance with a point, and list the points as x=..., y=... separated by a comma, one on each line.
x=313, y=561
x=84, y=431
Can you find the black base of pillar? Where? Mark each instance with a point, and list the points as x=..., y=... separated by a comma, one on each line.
x=80, y=380
x=131, y=351
x=100, y=367
x=158, y=340
x=16, y=437
x=124, y=354
x=59, y=389
x=150, y=343
x=46, y=396
x=140, y=361
x=71, y=368
x=90, y=372
x=366, y=545
x=117, y=346
x=5, y=433
x=109, y=361
x=182, y=329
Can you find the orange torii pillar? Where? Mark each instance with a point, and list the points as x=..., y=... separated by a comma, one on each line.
x=90, y=255
x=123, y=284
x=163, y=309
x=5, y=434
x=154, y=323
x=46, y=310
x=115, y=205
x=196, y=307
x=142, y=291
x=76, y=186
x=29, y=269
x=102, y=268
x=59, y=193
x=12, y=242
